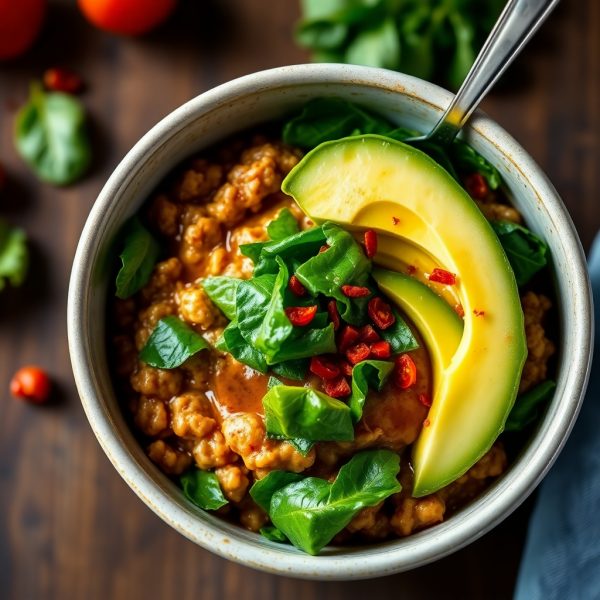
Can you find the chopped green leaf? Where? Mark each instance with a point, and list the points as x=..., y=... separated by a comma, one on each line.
x=369, y=373
x=399, y=335
x=292, y=369
x=467, y=161
x=273, y=534
x=313, y=343
x=221, y=290
x=262, y=491
x=233, y=342
x=171, y=344
x=202, y=488
x=14, y=255
x=527, y=407
x=283, y=226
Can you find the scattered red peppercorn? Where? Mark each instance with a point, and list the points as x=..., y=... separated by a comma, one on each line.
x=476, y=186
x=460, y=311
x=395, y=220
x=368, y=335
x=336, y=387
x=348, y=337
x=381, y=313
x=296, y=287
x=355, y=291
x=426, y=423
x=334, y=314
x=300, y=315
x=323, y=249
x=62, y=80
x=324, y=368
x=425, y=399
x=370, y=243
x=358, y=353
x=406, y=372
x=441, y=276
x=345, y=367
x=479, y=313
x=381, y=349
x=30, y=383
x=411, y=269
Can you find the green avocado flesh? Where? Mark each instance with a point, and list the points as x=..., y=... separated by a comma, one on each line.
x=372, y=182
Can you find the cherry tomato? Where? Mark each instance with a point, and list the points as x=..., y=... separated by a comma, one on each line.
x=30, y=383
x=127, y=17
x=20, y=23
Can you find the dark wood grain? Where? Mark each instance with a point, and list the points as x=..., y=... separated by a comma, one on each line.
x=70, y=528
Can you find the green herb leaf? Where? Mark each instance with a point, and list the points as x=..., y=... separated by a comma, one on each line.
x=171, y=344
x=221, y=290
x=525, y=251
x=292, y=369
x=14, y=255
x=298, y=412
x=262, y=491
x=313, y=343
x=202, y=488
x=50, y=136
x=138, y=258
x=310, y=512
x=273, y=534
x=399, y=335
x=233, y=342
x=467, y=161
x=527, y=407
x=369, y=373
x=376, y=47
x=283, y=226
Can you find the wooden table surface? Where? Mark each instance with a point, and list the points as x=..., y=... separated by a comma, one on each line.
x=70, y=528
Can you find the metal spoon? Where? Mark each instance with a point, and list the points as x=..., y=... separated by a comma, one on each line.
x=519, y=20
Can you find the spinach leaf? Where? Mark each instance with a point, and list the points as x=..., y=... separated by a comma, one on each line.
x=310, y=512
x=273, y=534
x=138, y=258
x=298, y=412
x=14, y=255
x=376, y=47
x=525, y=251
x=402, y=133
x=233, y=342
x=313, y=343
x=262, y=491
x=467, y=161
x=527, y=407
x=171, y=344
x=292, y=369
x=221, y=290
x=283, y=226
x=252, y=301
x=202, y=488
x=399, y=335
x=50, y=136
x=373, y=373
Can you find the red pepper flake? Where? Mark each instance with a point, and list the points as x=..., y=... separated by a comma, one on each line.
x=324, y=368
x=381, y=349
x=336, y=387
x=425, y=399
x=441, y=276
x=406, y=372
x=479, y=313
x=426, y=423
x=345, y=367
x=395, y=220
x=370, y=243
x=300, y=315
x=348, y=337
x=368, y=335
x=62, y=80
x=476, y=186
x=355, y=291
x=323, y=249
x=460, y=311
x=334, y=314
x=358, y=353
x=381, y=313
x=411, y=269
x=309, y=222
x=296, y=287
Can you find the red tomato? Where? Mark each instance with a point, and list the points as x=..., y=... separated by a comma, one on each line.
x=20, y=22
x=30, y=383
x=127, y=17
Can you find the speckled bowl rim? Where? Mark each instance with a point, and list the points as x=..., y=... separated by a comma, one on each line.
x=389, y=557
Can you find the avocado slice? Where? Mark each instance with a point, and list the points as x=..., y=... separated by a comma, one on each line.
x=373, y=182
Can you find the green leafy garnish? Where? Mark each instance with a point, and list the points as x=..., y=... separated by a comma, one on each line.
x=273, y=534
x=221, y=290
x=525, y=251
x=310, y=512
x=138, y=258
x=399, y=335
x=233, y=342
x=262, y=491
x=292, y=369
x=527, y=407
x=283, y=226
x=466, y=160
x=14, y=255
x=369, y=373
x=50, y=136
x=171, y=344
x=203, y=489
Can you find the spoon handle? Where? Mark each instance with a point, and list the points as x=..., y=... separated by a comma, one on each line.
x=519, y=20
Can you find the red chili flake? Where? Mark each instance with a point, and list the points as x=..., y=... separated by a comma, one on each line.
x=460, y=311
x=334, y=314
x=381, y=349
x=324, y=368
x=406, y=372
x=371, y=243
x=348, y=337
x=309, y=222
x=425, y=399
x=441, y=276
x=479, y=313
x=323, y=248
x=395, y=220
x=368, y=334
x=426, y=423
x=355, y=291
x=336, y=387
x=345, y=367
x=476, y=186
x=358, y=353
x=411, y=269
x=62, y=80
x=300, y=315
x=296, y=287
x=381, y=313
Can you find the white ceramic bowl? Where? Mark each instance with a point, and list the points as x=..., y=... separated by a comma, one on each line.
x=257, y=99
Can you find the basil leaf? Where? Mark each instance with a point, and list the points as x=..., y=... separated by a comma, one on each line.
x=202, y=488
x=233, y=342
x=376, y=47
x=221, y=290
x=273, y=534
x=292, y=369
x=51, y=138
x=312, y=343
x=525, y=251
x=310, y=512
x=14, y=255
x=466, y=160
x=373, y=373
x=527, y=407
x=399, y=336
x=171, y=344
x=262, y=491
x=283, y=226
x=138, y=258
x=298, y=412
